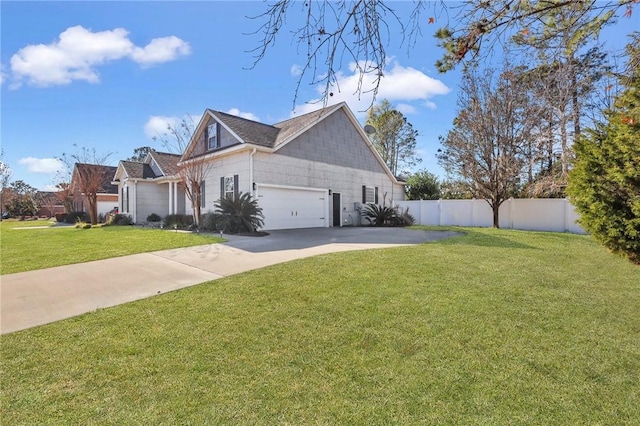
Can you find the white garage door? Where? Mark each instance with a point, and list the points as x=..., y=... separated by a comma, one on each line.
x=290, y=208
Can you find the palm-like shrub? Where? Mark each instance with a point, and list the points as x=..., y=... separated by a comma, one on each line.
x=379, y=215
x=240, y=214
x=404, y=219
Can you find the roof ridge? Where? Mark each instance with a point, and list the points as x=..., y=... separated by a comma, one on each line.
x=239, y=117
x=334, y=106
x=166, y=153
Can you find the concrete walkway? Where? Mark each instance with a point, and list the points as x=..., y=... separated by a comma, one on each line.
x=29, y=299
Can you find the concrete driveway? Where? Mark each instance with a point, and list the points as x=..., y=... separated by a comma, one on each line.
x=29, y=299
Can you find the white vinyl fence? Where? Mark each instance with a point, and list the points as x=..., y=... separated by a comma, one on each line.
x=533, y=214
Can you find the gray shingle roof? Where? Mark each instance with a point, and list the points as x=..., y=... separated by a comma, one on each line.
x=168, y=162
x=248, y=130
x=270, y=136
x=106, y=174
x=136, y=170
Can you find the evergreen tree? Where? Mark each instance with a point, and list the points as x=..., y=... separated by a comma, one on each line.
x=423, y=185
x=605, y=182
x=394, y=138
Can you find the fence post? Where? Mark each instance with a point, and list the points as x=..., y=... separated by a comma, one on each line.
x=440, y=212
x=510, y=201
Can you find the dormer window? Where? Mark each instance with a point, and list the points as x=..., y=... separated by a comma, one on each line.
x=212, y=136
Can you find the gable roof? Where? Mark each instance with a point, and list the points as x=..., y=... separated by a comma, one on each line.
x=280, y=134
x=167, y=162
x=84, y=170
x=137, y=170
x=294, y=126
x=248, y=131
x=271, y=136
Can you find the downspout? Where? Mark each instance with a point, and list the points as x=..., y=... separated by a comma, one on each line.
x=251, y=171
x=135, y=201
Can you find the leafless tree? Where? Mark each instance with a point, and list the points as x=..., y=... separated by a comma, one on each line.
x=64, y=194
x=193, y=167
x=88, y=176
x=5, y=177
x=486, y=148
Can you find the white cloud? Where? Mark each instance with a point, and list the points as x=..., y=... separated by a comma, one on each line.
x=158, y=125
x=78, y=51
x=399, y=85
x=296, y=70
x=3, y=74
x=161, y=50
x=406, y=109
x=42, y=165
x=247, y=115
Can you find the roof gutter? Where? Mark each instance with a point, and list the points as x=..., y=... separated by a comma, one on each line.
x=251, y=171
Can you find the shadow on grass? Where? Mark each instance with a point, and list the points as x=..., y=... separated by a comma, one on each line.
x=482, y=237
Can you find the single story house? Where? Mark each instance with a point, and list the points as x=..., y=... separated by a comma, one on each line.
x=151, y=186
x=94, y=175
x=314, y=170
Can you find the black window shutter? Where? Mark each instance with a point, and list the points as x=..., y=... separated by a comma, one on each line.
x=202, y=191
x=222, y=187
x=376, y=196
x=364, y=194
x=235, y=186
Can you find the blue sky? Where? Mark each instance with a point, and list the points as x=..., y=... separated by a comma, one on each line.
x=110, y=75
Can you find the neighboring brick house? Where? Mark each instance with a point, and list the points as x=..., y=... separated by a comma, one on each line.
x=150, y=186
x=107, y=198
x=315, y=170
x=49, y=204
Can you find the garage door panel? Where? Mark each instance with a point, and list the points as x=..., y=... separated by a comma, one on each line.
x=289, y=208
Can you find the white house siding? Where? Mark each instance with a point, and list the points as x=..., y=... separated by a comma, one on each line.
x=156, y=169
x=151, y=198
x=334, y=141
x=282, y=170
x=236, y=164
x=105, y=207
x=332, y=155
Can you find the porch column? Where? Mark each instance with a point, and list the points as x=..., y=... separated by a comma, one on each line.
x=170, y=197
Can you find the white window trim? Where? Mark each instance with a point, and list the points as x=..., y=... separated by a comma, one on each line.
x=213, y=126
x=370, y=191
x=229, y=193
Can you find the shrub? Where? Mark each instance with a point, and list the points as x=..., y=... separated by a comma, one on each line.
x=120, y=219
x=153, y=218
x=241, y=214
x=387, y=216
x=75, y=217
x=211, y=222
x=178, y=221
x=379, y=215
x=61, y=217
x=404, y=219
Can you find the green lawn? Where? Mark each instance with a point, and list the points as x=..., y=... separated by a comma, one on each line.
x=494, y=327
x=29, y=249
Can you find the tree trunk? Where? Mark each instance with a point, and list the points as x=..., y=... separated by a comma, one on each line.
x=93, y=208
x=496, y=215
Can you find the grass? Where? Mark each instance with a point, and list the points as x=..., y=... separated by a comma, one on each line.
x=30, y=249
x=493, y=327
